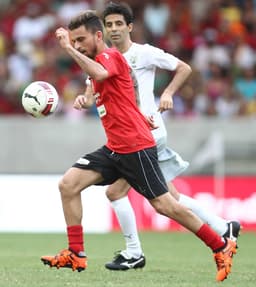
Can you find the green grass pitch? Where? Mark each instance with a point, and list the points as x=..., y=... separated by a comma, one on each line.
x=173, y=259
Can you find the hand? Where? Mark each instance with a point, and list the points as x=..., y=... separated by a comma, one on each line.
x=151, y=122
x=166, y=102
x=80, y=102
x=63, y=36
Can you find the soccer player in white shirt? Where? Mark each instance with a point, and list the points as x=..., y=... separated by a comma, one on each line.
x=144, y=59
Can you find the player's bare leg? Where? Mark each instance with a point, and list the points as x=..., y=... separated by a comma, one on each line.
x=223, y=249
x=117, y=194
x=71, y=186
x=223, y=227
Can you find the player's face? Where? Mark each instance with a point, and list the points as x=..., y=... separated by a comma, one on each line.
x=117, y=31
x=84, y=41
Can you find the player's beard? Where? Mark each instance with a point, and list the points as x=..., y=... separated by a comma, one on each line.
x=94, y=50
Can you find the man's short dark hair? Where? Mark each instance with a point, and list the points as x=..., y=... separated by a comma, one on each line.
x=88, y=19
x=118, y=8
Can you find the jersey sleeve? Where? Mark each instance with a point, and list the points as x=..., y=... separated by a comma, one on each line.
x=158, y=58
x=109, y=61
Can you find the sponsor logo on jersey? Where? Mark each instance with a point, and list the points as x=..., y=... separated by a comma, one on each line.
x=105, y=55
x=133, y=60
x=101, y=111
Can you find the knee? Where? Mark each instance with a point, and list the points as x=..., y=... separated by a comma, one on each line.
x=110, y=194
x=113, y=193
x=65, y=187
x=160, y=207
x=117, y=191
x=167, y=208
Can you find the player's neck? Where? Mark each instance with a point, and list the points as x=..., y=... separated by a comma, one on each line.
x=124, y=47
x=101, y=48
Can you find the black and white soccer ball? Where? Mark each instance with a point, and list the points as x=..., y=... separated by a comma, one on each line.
x=40, y=99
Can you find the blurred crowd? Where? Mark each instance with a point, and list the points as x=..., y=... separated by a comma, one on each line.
x=216, y=37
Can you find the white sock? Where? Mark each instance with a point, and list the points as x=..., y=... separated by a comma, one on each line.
x=215, y=222
x=127, y=221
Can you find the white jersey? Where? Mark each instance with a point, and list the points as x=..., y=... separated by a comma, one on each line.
x=144, y=59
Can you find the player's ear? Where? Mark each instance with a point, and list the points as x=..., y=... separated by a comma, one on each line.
x=130, y=27
x=99, y=35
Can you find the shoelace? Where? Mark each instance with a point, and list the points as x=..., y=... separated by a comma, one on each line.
x=219, y=259
x=63, y=258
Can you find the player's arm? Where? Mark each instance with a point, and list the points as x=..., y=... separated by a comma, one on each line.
x=182, y=72
x=85, y=101
x=89, y=66
x=136, y=87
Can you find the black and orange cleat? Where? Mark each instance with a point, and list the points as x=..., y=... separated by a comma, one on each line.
x=223, y=260
x=66, y=259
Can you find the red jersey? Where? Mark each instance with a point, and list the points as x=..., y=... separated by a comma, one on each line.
x=126, y=128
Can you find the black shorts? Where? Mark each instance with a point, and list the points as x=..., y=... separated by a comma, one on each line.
x=140, y=169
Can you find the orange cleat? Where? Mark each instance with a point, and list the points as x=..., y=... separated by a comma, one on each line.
x=66, y=259
x=223, y=260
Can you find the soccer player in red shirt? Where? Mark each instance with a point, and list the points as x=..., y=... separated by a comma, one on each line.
x=130, y=151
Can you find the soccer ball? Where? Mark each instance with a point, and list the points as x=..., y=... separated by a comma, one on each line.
x=40, y=99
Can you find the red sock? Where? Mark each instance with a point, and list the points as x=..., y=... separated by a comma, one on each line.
x=75, y=238
x=210, y=238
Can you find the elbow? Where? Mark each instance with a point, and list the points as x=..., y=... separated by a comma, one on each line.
x=188, y=69
x=184, y=68
x=101, y=76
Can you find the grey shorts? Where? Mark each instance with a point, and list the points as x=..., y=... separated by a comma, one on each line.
x=140, y=169
x=170, y=162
